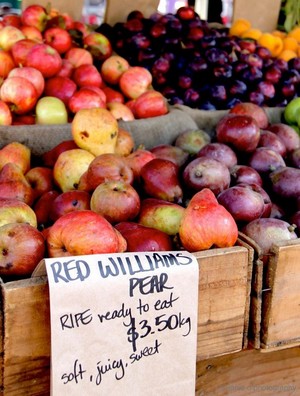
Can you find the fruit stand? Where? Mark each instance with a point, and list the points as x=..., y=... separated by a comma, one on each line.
x=200, y=133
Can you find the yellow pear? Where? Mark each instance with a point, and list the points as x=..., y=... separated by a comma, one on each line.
x=69, y=167
x=95, y=130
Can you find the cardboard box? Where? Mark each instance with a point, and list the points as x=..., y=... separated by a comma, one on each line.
x=224, y=284
x=262, y=15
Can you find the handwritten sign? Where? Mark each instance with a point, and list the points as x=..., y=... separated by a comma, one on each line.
x=124, y=324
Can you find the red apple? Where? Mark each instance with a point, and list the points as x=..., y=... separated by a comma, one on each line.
x=12, y=20
x=32, y=33
x=112, y=95
x=87, y=74
x=44, y=58
x=78, y=56
x=120, y=111
x=9, y=35
x=23, y=119
x=116, y=200
x=60, y=87
x=81, y=27
x=35, y=15
x=58, y=38
x=206, y=223
x=98, y=90
x=83, y=232
x=98, y=45
x=220, y=152
x=5, y=114
x=68, y=201
x=85, y=98
x=31, y=74
x=22, y=248
x=159, y=178
x=66, y=69
x=19, y=93
x=135, y=81
x=7, y=63
x=161, y=215
x=253, y=110
x=21, y=49
x=106, y=167
x=239, y=131
x=140, y=238
x=150, y=104
x=204, y=172
x=49, y=157
x=41, y=180
x=112, y=68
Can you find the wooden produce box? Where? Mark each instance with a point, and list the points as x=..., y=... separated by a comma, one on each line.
x=224, y=283
x=275, y=298
x=224, y=291
x=250, y=372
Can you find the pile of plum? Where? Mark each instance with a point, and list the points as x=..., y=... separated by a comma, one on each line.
x=201, y=65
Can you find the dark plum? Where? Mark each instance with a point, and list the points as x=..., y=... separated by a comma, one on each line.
x=237, y=88
x=216, y=56
x=267, y=89
x=256, y=98
x=252, y=60
x=272, y=74
x=191, y=98
x=222, y=72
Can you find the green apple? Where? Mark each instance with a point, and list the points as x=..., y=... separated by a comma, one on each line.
x=292, y=111
x=51, y=110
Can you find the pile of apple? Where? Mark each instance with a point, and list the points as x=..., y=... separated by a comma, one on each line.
x=51, y=66
x=97, y=193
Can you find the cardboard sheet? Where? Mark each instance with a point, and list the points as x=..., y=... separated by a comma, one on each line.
x=124, y=324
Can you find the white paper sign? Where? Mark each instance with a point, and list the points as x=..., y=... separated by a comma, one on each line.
x=124, y=324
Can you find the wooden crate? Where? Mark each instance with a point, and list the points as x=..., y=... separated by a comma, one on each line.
x=25, y=317
x=275, y=298
x=250, y=372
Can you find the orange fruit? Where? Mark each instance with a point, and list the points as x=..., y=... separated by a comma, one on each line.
x=273, y=43
x=239, y=26
x=252, y=33
x=279, y=33
x=295, y=32
x=290, y=43
x=287, y=54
